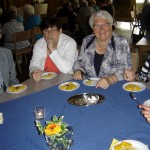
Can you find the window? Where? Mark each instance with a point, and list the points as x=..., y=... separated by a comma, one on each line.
x=142, y=1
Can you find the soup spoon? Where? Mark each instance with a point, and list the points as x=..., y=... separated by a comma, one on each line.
x=134, y=98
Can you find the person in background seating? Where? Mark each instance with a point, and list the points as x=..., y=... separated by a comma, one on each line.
x=144, y=76
x=7, y=69
x=103, y=53
x=92, y=3
x=18, y=18
x=109, y=7
x=145, y=18
x=75, y=6
x=10, y=27
x=55, y=52
x=86, y=10
x=31, y=20
x=67, y=11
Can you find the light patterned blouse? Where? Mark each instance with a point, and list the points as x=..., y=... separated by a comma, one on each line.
x=116, y=58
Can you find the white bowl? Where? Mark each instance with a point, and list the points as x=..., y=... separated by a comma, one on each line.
x=147, y=103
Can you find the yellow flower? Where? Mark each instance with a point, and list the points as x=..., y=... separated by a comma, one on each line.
x=52, y=129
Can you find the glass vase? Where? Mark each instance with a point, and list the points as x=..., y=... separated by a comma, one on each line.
x=64, y=142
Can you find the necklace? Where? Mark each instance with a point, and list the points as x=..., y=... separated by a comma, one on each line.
x=101, y=45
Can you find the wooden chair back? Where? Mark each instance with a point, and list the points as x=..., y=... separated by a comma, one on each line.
x=18, y=37
x=35, y=32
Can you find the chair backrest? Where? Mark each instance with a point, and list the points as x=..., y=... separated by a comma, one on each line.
x=35, y=32
x=21, y=36
x=18, y=37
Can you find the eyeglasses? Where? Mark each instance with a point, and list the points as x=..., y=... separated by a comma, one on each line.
x=102, y=26
x=46, y=31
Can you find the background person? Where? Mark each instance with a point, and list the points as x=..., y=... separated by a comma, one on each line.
x=7, y=69
x=142, y=75
x=85, y=10
x=31, y=20
x=93, y=4
x=18, y=18
x=103, y=54
x=55, y=52
x=145, y=18
x=10, y=27
x=67, y=11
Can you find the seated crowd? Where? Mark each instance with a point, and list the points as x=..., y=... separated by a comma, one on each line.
x=103, y=53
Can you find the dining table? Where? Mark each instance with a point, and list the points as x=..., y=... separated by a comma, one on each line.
x=94, y=126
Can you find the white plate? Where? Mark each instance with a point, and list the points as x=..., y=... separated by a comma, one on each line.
x=136, y=144
x=8, y=90
x=91, y=81
x=47, y=73
x=142, y=86
x=147, y=103
x=75, y=83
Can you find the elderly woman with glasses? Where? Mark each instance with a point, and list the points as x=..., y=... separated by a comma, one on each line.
x=103, y=54
x=55, y=52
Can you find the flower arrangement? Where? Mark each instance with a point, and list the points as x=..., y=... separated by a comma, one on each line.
x=57, y=133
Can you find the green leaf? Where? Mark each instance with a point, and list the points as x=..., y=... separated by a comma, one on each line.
x=61, y=118
x=65, y=143
x=49, y=122
x=55, y=119
x=39, y=127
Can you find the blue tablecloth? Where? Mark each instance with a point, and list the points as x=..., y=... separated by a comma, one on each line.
x=94, y=126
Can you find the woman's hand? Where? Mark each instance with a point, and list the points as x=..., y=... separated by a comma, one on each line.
x=37, y=75
x=78, y=75
x=103, y=83
x=145, y=112
x=51, y=45
x=129, y=75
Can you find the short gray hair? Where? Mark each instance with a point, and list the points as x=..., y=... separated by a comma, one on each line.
x=101, y=14
x=28, y=9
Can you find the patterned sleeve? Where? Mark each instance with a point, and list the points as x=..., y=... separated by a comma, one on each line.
x=145, y=71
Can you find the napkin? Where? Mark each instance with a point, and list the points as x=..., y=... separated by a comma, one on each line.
x=1, y=118
x=114, y=141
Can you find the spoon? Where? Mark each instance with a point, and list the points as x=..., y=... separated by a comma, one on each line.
x=134, y=98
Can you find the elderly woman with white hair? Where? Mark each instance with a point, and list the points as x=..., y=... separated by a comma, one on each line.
x=31, y=20
x=18, y=18
x=103, y=54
